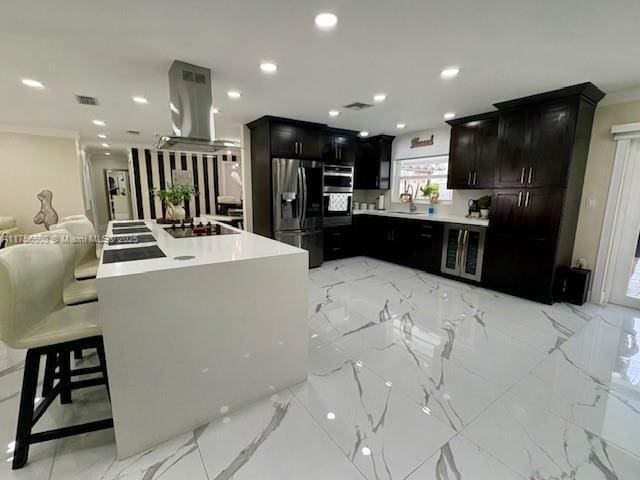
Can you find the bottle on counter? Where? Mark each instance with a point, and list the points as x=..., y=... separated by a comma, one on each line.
x=380, y=205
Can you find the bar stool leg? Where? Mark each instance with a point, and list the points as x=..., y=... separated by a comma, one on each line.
x=49, y=373
x=25, y=414
x=65, y=377
x=103, y=365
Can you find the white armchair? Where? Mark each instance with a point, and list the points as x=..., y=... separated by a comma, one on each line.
x=7, y=228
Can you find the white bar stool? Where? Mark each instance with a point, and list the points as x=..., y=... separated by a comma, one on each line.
x=33, y=317
x=86, y=252
x=75, y=291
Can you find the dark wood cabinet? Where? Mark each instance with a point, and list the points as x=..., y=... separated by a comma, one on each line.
x=473, y=151
x=413, y=243
x=514, y=136
x=339, y=146
x=296, y=141
x=372, y=168
x=339, y=242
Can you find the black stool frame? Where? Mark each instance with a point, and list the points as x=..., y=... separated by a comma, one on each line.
x=57, y=366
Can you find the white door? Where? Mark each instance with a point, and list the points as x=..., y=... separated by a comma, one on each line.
x=625, y=265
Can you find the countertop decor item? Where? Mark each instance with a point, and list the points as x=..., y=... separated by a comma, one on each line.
x=431, y=191
x=47, y=214
x=173, y=199
x=484, y=203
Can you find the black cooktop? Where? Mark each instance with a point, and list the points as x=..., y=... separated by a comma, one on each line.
x=188, y=230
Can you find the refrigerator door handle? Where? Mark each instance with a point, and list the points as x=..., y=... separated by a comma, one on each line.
x=458, y=251
x=303, y=193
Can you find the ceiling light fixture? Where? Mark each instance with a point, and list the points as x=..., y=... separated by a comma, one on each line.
x=379, y=97
x=450, y=72
x=107, y=153
x=326, y=20
x=268, y=67
x=334, y=113
x=364, y=134
x=32, y=83
x=102, y=135
x=140, y=100
x=99, y=123
x=401, y=125
x=106, y=145
x=234, y=94
x=449, y=115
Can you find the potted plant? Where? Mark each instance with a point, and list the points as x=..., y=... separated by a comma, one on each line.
x=431, y=191
x=173, y=199
x=484, y=203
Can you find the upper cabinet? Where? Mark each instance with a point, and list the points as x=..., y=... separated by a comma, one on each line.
x=373, y=163
x=536, y=144
x=473, y=151
x=294, y=140
x=339, y=146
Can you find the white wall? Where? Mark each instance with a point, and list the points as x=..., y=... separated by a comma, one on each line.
x=402, y=150
x=32, y=163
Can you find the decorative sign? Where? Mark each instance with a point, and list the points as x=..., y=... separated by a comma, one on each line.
x=417, y=143
x=182, y=177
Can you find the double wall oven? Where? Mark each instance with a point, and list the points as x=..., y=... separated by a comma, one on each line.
x=337, y=194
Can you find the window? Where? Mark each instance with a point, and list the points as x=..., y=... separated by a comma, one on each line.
x=411, y=174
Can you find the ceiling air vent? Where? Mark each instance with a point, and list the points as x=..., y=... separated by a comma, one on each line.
x=358, y=106
x=133, y=132
x=86, y=100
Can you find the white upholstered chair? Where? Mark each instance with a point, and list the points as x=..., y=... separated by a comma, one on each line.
x=7, y=228
x=86, y=251
x=34, y=317
x=74, y=291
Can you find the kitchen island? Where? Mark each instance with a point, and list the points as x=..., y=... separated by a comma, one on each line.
x=215, y=323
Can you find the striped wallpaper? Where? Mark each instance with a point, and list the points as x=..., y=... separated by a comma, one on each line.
x=151, y=169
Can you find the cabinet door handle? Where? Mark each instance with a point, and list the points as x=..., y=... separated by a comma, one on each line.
x=295, y=147
x=301, y=144
x=469, y=178
x=475, y=177
x=522, y=175
x=526, y=199
x=426, y=235
x=377, y=180
x=519, y=199
x=530, y=174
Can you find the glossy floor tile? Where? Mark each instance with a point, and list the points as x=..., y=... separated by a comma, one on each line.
x=411, y=376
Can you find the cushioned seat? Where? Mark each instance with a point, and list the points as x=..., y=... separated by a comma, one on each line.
x=75, y=291
x=86, y=251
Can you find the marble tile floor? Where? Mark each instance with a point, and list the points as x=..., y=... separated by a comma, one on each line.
x=411, y=376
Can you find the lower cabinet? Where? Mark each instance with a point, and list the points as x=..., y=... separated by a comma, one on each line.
x=339, y=242
x=412, y=243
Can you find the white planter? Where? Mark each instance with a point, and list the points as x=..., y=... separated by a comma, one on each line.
x=175, y=212
x=484, y=213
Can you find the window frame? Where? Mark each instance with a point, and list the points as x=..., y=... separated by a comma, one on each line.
x=395, y=178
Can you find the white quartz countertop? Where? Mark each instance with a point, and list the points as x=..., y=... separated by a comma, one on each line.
x=482, y=222
x=205, y=250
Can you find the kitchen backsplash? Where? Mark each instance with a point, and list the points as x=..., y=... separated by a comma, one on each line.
x=458, y=206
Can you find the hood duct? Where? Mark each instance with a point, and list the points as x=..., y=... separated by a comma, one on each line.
x=191, y=106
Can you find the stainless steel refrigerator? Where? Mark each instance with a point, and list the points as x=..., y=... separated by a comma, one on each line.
x=297, y=205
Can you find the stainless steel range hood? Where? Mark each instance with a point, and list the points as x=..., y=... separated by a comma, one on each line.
x=191, y=105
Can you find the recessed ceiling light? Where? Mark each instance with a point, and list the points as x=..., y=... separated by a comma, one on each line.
x=99, y=123
x=449, y=115
x=268, y=67
x=450, y=72
x=326, y=20
x=234, y=94
x=334, y=113
x=107, y=153
x=32, y=83
x=215, y=110
x=364, y=134
x=102, y=135
x=379, y=97
x=106, y=145
x=140, y=100
x=401, y=125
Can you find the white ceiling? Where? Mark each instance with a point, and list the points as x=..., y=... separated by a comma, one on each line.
x=119, y=48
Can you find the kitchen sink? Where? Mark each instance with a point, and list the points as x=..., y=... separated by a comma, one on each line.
x=407, y=213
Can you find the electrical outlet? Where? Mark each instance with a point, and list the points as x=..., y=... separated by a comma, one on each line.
x=591, y=203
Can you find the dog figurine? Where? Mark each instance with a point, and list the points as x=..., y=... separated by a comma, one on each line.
x=47, y=215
